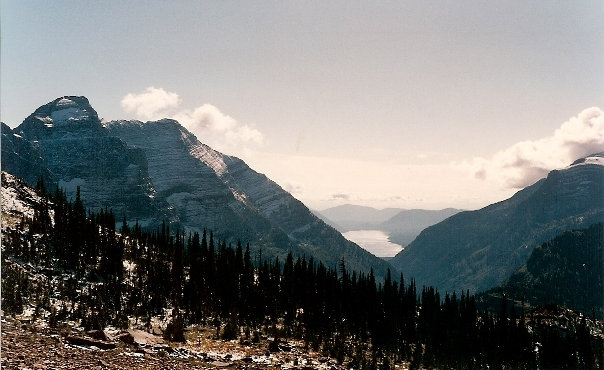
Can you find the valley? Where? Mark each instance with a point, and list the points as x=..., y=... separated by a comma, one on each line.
x=298, y=185
x=121, y=227
x=374, y=241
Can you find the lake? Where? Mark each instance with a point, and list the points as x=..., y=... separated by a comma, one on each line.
x=374, y=241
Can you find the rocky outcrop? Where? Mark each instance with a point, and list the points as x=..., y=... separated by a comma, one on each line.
x=34, y=346
x=88, y=342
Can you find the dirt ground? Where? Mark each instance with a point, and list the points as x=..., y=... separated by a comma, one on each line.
x=27, y=345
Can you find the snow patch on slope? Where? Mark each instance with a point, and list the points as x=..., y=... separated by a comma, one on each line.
x=13, y=204
x=597, y=159
x=65, y=102
x=45, y=119
x=240, y=196
x=210, y=157
x=18, y=200
x=69, y=114
x=593, y=160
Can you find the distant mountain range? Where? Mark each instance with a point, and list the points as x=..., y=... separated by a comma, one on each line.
x=478, y=250
x=155, y=171
x=401, y=225
x=149, y=172
x=349, y=217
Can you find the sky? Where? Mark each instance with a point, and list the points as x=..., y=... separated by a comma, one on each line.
x=411, y=104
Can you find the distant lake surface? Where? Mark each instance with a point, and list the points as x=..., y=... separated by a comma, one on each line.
x=374, y=241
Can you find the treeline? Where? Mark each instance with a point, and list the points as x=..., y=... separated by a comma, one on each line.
x=104, y=277
x=568, y=270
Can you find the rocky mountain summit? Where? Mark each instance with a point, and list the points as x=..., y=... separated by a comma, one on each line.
x=78, y=152
x=158, y=171
x=478, y=250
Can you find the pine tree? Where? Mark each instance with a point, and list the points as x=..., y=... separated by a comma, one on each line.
x=176, y=272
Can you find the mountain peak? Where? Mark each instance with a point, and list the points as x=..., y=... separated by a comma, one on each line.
x=66, y=109
x=71, y=101
x=596, y=158
x=67, y=112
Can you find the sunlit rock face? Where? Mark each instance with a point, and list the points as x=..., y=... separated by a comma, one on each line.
x=186, y=177
x=208, y=189
x=478, y=250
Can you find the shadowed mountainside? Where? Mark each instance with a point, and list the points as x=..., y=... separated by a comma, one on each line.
x=478, y=250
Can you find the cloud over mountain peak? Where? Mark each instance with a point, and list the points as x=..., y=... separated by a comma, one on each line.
x=206, y=121
x=528, y=161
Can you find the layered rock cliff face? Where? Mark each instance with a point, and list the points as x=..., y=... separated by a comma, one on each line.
x=78, y=152
x=209, y=189
x=191, y=186
x=22, y=158
x=158, y=171
x=478, y=250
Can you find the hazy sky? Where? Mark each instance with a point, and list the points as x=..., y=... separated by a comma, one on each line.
x=415, y=104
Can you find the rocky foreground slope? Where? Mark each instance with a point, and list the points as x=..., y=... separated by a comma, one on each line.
x=28, y=344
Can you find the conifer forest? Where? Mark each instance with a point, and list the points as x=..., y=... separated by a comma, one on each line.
x=100, y=274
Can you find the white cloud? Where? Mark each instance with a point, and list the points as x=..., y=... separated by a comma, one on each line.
x=206, y=117
x=151, y=103
x=220, y=131
x=340, y=196
x=526, y=162
x=212, y=127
